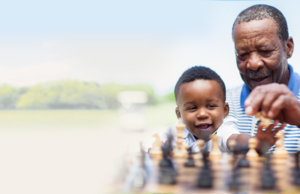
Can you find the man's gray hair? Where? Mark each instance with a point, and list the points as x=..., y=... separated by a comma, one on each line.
x=260, y=12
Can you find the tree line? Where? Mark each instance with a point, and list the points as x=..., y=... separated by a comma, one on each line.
x=68, y=94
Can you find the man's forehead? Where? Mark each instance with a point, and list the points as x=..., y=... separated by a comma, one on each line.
x=258, y=30
x=264, y=25
x=262, y=44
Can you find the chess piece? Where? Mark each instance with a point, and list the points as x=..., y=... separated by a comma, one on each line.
x=235, y=181
x=141, y=175
x=268, y=181
x=297, y=172
x=231, y=145
x=190, y=162
x=265, y=121
x=243, y=162
x=166, y=162
x=167, y=176
x=180, y=152
x=215, y=153
x=198, y=155
x=280, y=151
x=167, y=171
x=252, y=154
x=205, y=179
x=156, y=152
x=297, y=169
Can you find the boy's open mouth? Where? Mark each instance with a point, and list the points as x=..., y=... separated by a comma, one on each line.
x=203, y=127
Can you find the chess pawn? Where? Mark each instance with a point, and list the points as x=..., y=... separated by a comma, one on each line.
x=252, y=154
x=156, y=152
x=231, y=145
x=215, y=153
x=280, y=151
x=200, y=143
x=180, y=152
x=180, y=127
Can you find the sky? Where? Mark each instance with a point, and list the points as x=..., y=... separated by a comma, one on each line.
x=126, y=42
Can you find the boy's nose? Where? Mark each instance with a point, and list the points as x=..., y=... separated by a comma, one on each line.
x=202, y=113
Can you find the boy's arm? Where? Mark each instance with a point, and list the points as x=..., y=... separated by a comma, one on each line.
x=240, y=139
x=264, y=138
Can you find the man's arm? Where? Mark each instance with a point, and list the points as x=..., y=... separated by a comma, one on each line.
x=274, y=101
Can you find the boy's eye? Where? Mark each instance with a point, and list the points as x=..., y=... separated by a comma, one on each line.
x=212, y=106
x=192, y=108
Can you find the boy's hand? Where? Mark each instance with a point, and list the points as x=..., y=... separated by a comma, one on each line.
x=267, y=137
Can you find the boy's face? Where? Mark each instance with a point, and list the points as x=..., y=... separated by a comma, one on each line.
x=201, y=106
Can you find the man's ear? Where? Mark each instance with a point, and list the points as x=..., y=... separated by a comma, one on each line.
x=177, y=113
x=289, y=47
x=226, y=109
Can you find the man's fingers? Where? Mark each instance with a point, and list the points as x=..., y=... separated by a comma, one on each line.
x=277, y=106
x=255, y=105
x=267, y=103
x=264, y=99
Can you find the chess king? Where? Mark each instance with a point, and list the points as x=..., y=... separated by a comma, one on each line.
x=200, y=96
x=271, y=87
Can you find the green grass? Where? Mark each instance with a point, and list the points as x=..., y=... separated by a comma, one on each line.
x=158, y=115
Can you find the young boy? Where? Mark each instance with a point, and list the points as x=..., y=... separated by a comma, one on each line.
x=200, y=96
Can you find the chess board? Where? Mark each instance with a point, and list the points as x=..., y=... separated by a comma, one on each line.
x=145, y=176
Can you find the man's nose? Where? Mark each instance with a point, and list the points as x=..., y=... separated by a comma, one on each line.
x=254, y=62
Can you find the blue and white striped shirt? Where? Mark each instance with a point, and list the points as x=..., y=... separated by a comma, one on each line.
x=248, y=124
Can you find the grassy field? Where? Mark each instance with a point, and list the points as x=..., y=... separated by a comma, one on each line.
x=158, y=115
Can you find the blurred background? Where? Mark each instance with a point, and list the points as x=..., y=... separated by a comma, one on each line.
x=83, y=81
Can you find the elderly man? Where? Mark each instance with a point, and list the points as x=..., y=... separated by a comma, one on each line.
x=262, y=47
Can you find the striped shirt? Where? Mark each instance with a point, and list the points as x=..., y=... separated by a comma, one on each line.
x=248, y=124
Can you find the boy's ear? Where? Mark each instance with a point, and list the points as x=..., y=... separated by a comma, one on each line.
x=226, y=109
x=177, y=113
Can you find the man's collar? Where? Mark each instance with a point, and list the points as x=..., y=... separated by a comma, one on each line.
x=293, y=85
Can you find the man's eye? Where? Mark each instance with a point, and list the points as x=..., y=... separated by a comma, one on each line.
x=242, y=56
x=265, y=53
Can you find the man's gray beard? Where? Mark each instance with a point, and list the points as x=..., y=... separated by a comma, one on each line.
x=258, y=74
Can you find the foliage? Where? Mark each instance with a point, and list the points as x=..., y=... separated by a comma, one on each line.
x=168, y=98
x=68, y=94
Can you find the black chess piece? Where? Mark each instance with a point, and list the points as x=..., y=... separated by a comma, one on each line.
x=141, y=175
x=268, y=180
x=296, y=171
x=167, y=176
x=235, y=183
x=243, y=162
x=205, y=179
x=165, y=161
x=190, y=162
x=167, y=171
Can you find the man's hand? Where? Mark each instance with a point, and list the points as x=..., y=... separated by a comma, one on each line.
x=274, y=101
x=267, y=138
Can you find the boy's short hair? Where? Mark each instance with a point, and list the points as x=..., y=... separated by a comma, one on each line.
x=199, y=72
